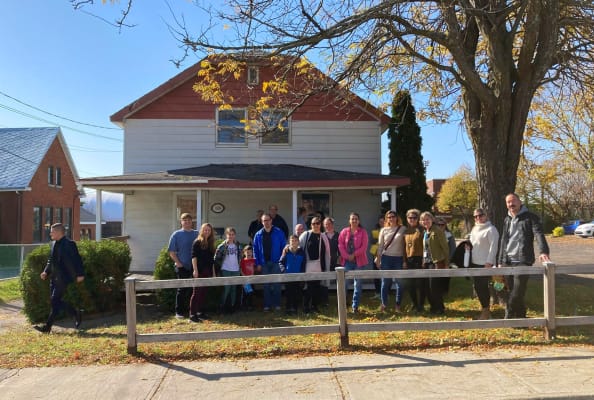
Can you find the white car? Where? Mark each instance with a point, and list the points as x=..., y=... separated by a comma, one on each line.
x=585, y=230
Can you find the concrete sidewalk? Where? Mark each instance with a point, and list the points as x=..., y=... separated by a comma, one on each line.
x=524, y=373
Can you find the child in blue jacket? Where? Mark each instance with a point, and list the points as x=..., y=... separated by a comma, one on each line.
x=292, y=262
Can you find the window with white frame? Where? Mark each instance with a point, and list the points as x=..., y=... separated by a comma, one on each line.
x=253, y=75
x=231, y=126
x=277, y=128
x=58, y=176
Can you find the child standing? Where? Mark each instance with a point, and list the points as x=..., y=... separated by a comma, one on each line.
x=248, y=264
x=227, y=258
x=292, y=262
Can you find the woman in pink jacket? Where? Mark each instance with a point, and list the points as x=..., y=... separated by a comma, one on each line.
x=352, y=245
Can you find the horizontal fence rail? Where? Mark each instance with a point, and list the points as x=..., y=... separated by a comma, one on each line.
x=549, y=322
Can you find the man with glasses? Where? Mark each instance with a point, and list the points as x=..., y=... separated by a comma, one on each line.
x=484, y=239
x=269, y=243
x=317, y=259
x=520, y=228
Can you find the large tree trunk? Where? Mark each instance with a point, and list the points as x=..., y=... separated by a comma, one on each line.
x=496, y=133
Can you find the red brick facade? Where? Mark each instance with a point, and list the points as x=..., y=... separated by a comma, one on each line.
x=17, y=209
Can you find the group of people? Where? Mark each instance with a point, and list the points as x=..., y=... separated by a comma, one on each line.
x=424, y=242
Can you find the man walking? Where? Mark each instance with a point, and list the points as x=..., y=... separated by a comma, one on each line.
x=63, y=267
x=180, y=251
x=516, y=248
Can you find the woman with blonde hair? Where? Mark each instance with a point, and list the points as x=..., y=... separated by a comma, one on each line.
x=390, y=256
x=203, y=251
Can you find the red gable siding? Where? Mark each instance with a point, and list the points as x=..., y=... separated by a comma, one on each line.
x=176, y=99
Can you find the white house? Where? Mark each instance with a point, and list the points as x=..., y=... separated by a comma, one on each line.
x=186, y=154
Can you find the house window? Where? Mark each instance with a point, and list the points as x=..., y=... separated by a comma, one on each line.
x=58, y=176
x=47, y=223
x=37, y=224
x=231, y=126
x=253, y=77
x=58, y=215
x=68, y=221
x=316, y=203
x=277, y=129
x=50, y=175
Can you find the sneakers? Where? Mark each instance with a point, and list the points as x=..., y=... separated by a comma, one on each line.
x=382, y=308
x=179, y=316
x=266, y=309
x=397, y=309
x=194, y=318
x=42, y=328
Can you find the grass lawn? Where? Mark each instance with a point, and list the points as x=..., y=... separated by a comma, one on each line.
x=9, y=290
x=103, y=341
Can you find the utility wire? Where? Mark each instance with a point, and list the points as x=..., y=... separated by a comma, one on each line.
x=57, y=116
x=14, y=110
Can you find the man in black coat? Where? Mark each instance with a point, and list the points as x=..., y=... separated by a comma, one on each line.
x=63, y=267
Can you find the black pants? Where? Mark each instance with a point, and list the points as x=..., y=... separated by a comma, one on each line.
x=418, y=287
x=293, y=295
x=311, y=296
x=517, y=285
x=57, y=292
x=481, y=287
x=182, y=298
x=437, y=290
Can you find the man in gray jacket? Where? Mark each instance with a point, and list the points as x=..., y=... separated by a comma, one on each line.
x=516, y=248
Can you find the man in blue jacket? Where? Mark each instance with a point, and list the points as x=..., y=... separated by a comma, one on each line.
x=63, y=267
x=516, y=248
x=269, y=243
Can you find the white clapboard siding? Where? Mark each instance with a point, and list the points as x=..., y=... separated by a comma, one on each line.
x=149, y=223
x=159, y=145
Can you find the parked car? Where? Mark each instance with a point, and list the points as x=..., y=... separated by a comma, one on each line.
x=585, y=230
x=569, y=227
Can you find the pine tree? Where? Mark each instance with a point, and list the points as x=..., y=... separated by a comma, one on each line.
x=405, y=156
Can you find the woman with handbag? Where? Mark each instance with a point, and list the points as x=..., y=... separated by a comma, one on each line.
x=390, y=255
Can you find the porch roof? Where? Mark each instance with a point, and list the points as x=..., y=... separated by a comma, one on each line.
x=246, y=177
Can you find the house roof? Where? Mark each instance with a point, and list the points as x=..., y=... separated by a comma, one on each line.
x=247, y=177
x=192, y=73
x=21, y=153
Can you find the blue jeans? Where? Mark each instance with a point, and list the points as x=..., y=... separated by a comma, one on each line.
x=391, y=263
x=357, y=288
x=272, y=291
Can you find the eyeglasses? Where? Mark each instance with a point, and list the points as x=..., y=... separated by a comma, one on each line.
x=316, y=223
x=391, y=216
x=412, y=217
x=478, y=215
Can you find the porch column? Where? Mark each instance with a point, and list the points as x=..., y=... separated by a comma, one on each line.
x=198, y=208
x=393, y=199
x=294, y=213
x=98, y=211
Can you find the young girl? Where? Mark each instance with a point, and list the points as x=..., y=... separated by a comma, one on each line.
x=203, y=250
x=292, y=262
x=247, y=265
x=227, y=258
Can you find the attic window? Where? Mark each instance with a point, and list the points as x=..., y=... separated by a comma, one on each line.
x=231, y=126
x=50, y=176
x=253, y=77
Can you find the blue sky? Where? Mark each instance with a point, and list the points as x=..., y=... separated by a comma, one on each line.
x=74, y=65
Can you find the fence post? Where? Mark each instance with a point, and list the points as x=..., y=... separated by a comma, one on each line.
x=131, y=314
x=342, y=307
x=549, y=300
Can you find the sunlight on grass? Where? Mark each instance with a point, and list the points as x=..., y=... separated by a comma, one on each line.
x=103, y=341
x=9, y=290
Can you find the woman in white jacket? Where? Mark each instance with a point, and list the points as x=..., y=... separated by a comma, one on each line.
x=484, y=239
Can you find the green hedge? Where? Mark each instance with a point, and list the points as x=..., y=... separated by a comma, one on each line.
x=165, y=269
x=106, y=264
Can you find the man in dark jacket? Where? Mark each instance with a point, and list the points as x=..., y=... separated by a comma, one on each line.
x=63, y=267
x=516, y=248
